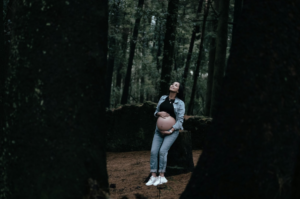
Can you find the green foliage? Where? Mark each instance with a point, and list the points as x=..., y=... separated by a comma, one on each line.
x=148, y=57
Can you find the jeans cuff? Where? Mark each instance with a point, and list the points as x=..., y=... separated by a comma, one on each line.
x=153, y=170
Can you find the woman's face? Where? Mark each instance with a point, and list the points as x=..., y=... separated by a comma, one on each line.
x=175, y=87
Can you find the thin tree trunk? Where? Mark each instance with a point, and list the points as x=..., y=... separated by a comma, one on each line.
x=196, y=30
x=159, y=44
x=131, y=54
x=196, y=72
x=220, y=59
x=110, y=70
x=250, y=150
x=169, y=43
x=211, y=63
x=125, y=34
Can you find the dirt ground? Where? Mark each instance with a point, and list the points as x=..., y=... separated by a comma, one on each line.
x=127, y=172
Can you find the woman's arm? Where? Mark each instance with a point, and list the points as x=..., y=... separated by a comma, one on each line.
x=157, y=108
x=179, y=119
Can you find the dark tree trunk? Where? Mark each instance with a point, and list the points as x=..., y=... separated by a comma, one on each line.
x=196, y=72
x=251, y=148
x=180, y=156
x=57, y=129
x=220, y=59
x=4, y=134
x=110, y=70
x=211, y=63
x=169, y=43
x=133, y=41
x=159, y=44
x=296, y=177
x=125, y=34
x=196, y=30
x=236, y=16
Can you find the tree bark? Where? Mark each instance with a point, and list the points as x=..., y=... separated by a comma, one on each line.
x=133, y=41
x=125, y=34
x=251, y=148
x=169, y=42
x=196, y=72
x=211, y=58
x=296, y=177
x=236, y=15
x=196, y=30
x=57, y=127
x=220, y=59
x=110, y=70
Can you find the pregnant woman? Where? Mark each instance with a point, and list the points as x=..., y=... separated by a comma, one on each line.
x=170, y=112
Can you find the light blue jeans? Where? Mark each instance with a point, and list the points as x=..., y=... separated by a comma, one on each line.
x=160, y=146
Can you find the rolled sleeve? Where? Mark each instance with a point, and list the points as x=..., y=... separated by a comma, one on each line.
x=180, y=117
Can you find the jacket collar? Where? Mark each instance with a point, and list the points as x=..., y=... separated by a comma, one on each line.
x=176, y=99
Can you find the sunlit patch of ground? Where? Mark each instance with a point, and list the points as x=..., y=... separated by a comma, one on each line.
x=128, y=171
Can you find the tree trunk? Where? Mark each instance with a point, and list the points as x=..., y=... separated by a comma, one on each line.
x=296, y=177
x=133, y=41
x=196, y=30
x=236, y=16
x=125, y=34
x=110, y=70
x=220, y=59
x=196, y=72
x=169, y=42
x=180, y=156
x=57, y=129
x=251, y=148
x=211, y=58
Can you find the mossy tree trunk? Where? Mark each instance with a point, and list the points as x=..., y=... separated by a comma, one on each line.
x=56, y=82
x=250, y=152
x=169, y=43
x=220, y=56
x=133, y=42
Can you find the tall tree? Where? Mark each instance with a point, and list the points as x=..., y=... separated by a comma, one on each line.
x=133, y=42
x=211, y=62
x=197, y=70
x=238, y=4
x=220, y=57
x=196, y=30
x=56, y=82
x=169, y=42
x=296, y=177
x=250, y=150
x=114, y=15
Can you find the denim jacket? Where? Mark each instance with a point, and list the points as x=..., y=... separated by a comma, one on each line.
x=179, y=109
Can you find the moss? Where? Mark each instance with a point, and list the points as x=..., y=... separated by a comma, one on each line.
x=131, y=127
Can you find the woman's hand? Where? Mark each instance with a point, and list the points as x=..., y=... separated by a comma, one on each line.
x=163, y=114
x=165, y=132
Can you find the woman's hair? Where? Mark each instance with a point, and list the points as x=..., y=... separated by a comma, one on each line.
x=180, y=91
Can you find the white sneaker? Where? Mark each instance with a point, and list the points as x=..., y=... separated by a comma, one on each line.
x=151, y=180
x=160, y=180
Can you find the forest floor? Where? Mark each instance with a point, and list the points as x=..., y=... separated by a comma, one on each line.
x=127, y=172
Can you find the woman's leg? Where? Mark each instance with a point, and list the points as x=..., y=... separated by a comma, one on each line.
x=156, y=143
x=163, y=152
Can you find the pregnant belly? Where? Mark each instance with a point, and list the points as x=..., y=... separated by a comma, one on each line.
x=166, y=123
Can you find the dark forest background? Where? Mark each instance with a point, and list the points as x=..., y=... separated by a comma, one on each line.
x=66, y=62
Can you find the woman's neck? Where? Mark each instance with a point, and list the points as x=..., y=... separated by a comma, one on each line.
x=172, y=95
